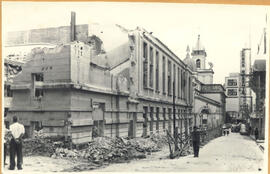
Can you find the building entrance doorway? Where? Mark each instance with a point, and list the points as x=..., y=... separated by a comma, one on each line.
x=98, y=117
x=204, y=117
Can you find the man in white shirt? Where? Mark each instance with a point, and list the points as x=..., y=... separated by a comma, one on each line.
x=17, y=131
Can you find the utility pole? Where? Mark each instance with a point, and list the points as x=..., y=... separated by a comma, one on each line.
x=259, y=106
x=174, y=126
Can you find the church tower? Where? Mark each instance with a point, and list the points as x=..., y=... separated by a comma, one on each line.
x=205, y=75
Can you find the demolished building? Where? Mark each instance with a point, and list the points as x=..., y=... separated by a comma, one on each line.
x=75, y=86
x=116, y=81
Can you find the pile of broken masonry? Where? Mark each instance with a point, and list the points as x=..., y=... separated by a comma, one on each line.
x=111, y=150
x=99, y=150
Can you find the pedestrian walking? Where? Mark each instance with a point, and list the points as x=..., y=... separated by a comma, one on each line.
x=249, y=130
x=228, y=132
x=196, y=141
x=15, y=145
x=256, y=133
x=224, y=129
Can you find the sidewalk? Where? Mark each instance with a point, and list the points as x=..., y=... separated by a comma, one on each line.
x=260, y=143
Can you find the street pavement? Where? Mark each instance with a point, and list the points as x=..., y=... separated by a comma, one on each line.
x=233, y=153
x=260, y=143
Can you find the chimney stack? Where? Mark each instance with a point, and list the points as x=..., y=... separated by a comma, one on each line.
x=72, y=27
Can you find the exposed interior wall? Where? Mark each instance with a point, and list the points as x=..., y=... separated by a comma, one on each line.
x=106, y=82
x=54, y=63
x=57, y=35
x=79, y=62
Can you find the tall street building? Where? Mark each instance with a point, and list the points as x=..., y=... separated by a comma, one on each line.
x=245, y=90
x=232, y=86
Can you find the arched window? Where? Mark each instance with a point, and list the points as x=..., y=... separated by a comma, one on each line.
x=198, y=63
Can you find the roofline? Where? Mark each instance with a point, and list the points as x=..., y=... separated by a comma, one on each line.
x=159, y=41
x=13, y=62
x=45, y=28
x=208, y=100
x=30, y=44
x=215, y=84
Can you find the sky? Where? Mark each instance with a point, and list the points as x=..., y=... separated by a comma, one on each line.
x=224, y=29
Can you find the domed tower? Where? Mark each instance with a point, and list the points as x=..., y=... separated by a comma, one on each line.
x=190, y=63
x=199, y=54
x=199, y=58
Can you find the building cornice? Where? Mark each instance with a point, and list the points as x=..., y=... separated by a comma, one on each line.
x=208, y=100
x=159, y=100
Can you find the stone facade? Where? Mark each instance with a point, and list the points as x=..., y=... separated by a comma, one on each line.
x=69, y=89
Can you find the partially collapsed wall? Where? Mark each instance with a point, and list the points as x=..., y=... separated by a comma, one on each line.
x=63, y=91
x=95, y=87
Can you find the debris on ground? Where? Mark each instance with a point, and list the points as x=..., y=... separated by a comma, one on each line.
x=99, y=152
x=159, y=139
x=39, y=134
x=41, y=146
x=188, y=150
x=114, y=150
x=104, y=150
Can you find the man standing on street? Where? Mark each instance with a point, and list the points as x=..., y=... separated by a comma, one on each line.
x=17, y=131
x=196, y=141
x=256, y=133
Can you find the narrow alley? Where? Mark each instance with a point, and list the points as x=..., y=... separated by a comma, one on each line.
x=233, y=153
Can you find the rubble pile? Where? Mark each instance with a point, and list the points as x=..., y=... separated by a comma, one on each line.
x=38, y=147
x=144, y=145
x=41, y=146
x=103, y=149
x=111, y=150
x=159, y=139
x=39, y=134
x=64, y=152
